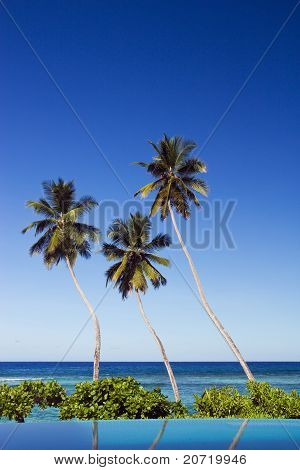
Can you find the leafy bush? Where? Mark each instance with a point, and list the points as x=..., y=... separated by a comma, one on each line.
x=44, y=394
x=125, y=398
x=16, y=402
x=274, y=401
x=221, y=402
x=261, y=401
x=118, y=398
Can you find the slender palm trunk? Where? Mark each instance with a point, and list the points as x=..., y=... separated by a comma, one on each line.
x=207, y=307
x=162, y=349
x=95, y=321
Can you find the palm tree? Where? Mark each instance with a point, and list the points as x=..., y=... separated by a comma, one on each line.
x=132, y=247
x=64, y=237
x=176, y=180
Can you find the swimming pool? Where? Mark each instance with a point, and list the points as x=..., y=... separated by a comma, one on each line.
x=190, y=434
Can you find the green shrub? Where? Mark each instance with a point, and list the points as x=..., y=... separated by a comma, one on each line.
x=44, y=394
x=125, y=398
x=274, y=401
x=118, y=398
x=16, y=402
x=261, y=401
x=221, y=402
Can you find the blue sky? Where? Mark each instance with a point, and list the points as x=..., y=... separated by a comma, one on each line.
x=133, y=70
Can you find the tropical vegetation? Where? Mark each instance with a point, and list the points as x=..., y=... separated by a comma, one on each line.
x=125, y=398
x=17, y=402
x=119, y=398
x=175, y=170
x=134, y=253
x=261, y=401
x=64, y=237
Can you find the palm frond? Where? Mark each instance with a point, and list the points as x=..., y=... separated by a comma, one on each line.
x=88, y=203
x=154, y=275
x=73, y=214
x=176, y=169
x=112, y=251
x=143, y=164
x=111, y=271
x=118, y=232
x=157, y=202
x=156, y=148
x=60, y=195
x=135, y=259
x=191, y=166
x=89, y=231
x=84, y=249
x=158, y=168
x=120, y=269
x=178, y=199
x=190, y=195
x=138, y=229
x=187, y=146
x=55, y=240
x=54, y=257
x=40, y=225
x=145, y=190
x=164, y=206
x=41, y=244
x=65, y=237
x=138, y=281
x=159, y=241
x=158, y=259
x=196, y=184
x=41, y=207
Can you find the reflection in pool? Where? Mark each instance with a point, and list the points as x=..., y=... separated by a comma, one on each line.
x=237, y=437
x=153, y=434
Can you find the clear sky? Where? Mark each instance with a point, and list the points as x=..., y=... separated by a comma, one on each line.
x=133, y=70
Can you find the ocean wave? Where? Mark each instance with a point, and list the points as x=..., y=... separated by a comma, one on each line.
x=20, y=379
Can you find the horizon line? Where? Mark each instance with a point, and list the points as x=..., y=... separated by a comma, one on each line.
x=150, y=362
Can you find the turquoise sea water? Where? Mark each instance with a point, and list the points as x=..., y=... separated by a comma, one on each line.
x=192, y=377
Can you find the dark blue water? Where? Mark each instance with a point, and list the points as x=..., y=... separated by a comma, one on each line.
x=192, y=377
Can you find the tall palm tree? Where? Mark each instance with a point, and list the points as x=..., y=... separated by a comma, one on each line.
x=175, y=171
x=135, y=252
x=64, y=237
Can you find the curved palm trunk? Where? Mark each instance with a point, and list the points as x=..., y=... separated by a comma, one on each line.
x=162, y=349
x=95, y=321
x=207, y=307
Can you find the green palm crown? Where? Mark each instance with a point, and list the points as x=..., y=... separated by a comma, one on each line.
x=63, y=235
x=135, y=251
x=176, y=172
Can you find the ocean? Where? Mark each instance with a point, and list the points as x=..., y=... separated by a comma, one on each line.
x=192, y=377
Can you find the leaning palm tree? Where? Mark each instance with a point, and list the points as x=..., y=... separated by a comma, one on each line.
x=176, y=170
x=135, y=252
x=64, y=237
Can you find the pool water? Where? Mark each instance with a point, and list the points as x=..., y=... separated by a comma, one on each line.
x=190, y=434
